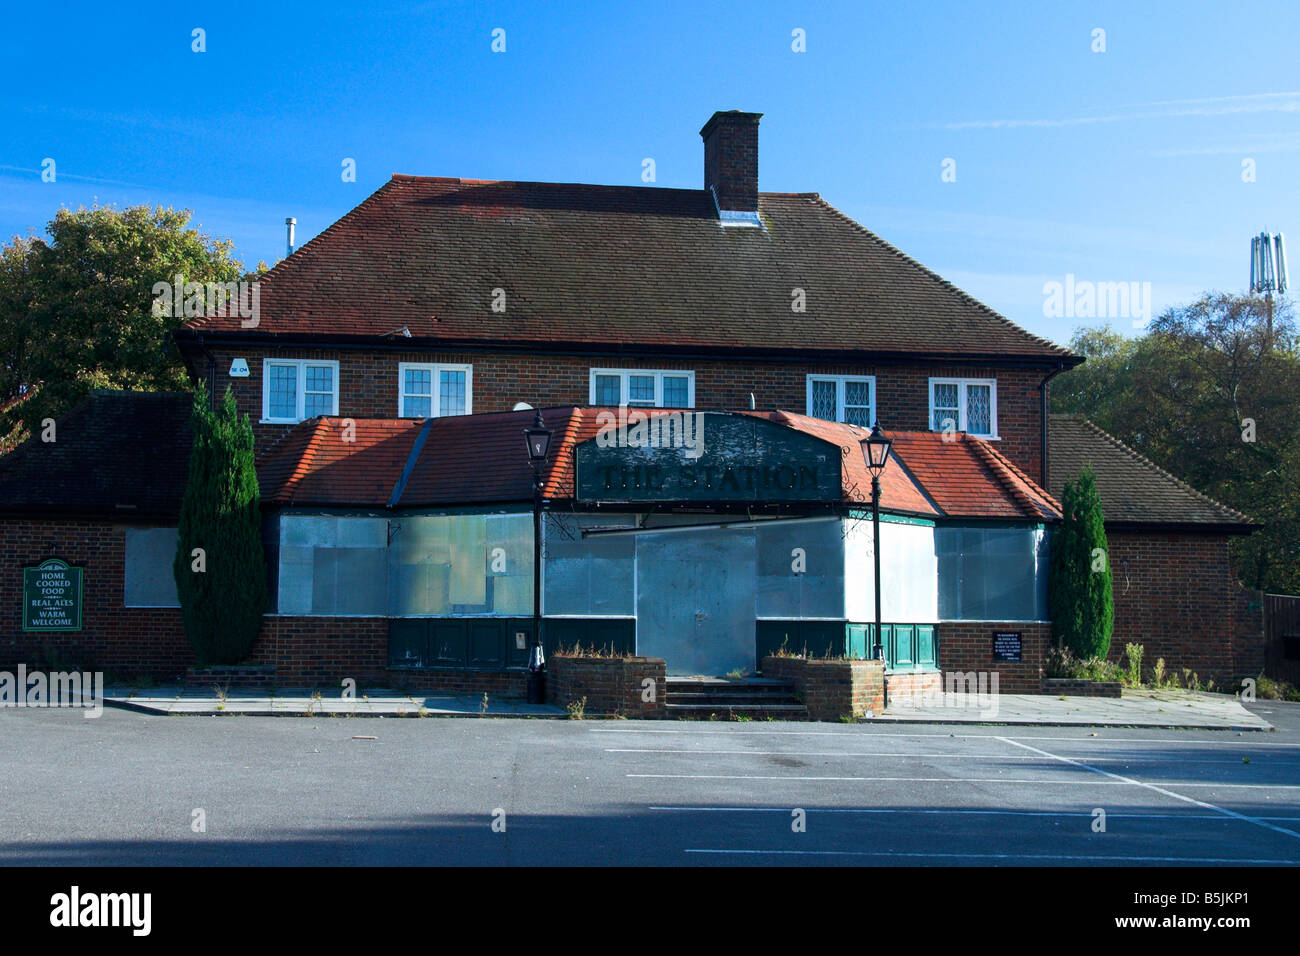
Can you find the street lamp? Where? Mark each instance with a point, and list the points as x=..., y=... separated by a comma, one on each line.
x=538, y=439
x=876, y=452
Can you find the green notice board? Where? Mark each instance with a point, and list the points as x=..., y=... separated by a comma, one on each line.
x=52, y=597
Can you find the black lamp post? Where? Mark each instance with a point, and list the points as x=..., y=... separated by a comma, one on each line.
x=876, y=452
x=538, y=438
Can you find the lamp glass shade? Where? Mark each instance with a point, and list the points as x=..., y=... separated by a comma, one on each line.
x=538, y=439
x=877, y=450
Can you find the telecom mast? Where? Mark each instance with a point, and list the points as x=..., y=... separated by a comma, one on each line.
x=1268, y=270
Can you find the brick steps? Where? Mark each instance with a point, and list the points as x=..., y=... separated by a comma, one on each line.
x=704, y=698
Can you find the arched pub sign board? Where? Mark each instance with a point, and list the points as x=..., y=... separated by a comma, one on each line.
x=715, y=458
x=52, y=597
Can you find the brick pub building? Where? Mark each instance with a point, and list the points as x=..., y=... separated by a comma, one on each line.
x=382, y=378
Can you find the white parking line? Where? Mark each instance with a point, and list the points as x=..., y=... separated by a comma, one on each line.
x=910, y=811
x=859, y=753
x=1256, y=821
x=1008, y=856
x=1119, y=781
x=1253, y=741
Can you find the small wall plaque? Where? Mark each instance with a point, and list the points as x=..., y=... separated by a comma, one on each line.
x=239, y=368
x=1006, y=646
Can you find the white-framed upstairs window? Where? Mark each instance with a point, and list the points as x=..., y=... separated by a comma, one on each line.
x=434, y=390
x=966, y=405
x=843, y=398
x=645, y=388
x=297, y=389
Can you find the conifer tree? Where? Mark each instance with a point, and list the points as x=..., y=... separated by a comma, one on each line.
x=1079, y=598
x=220, y=569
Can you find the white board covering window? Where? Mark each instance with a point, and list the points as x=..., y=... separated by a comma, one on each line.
x=297, y=389
x=965, y=405
x=843, y=398
x=434, y=391
x=148, y=579
x=646, y=388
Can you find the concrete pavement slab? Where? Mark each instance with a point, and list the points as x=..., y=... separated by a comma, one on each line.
x=1136, y=708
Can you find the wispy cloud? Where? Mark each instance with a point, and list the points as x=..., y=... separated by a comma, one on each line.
x=1211, y=106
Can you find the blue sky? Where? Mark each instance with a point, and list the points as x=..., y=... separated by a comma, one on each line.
x=1115, y=166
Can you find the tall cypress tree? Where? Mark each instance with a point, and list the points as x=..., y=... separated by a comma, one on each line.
x=222, y=586
x=1079, y=595
x=1098, y=614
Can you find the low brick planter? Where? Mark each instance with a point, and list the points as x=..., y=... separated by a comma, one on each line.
x=832, y=689
x=1073, y=687
x=611, y=685
x=245, y=675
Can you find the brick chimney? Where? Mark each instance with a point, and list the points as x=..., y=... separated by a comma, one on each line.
x=731, y=162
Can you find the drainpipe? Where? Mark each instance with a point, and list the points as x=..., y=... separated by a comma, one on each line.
x=1042, y=440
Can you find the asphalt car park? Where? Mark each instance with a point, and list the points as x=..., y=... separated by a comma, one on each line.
x=136, y=789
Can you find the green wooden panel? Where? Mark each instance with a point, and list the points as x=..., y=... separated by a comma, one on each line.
x=447, y=643
x=486, y=643
x=926, y=651
x=900, y=639
x=408, y=643
x=860, y=639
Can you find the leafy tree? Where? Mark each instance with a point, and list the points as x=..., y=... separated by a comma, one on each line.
x=1079, y=592
x=1210, y=393
x=1099, y=385
x=222, y=586
x=76, y=311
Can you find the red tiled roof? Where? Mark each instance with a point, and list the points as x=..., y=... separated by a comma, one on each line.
x=617, y=265
x=481, y=459
x=321, y=462
x=968, y=478
x=962, y=477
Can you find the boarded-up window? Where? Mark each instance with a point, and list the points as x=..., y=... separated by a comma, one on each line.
x=149, y=581
x=992, y=574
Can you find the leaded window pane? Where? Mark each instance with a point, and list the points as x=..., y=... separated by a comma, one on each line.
x=641, y=390
x=676, y=391
x=284, y=391
x=607, y=390
x=979, y=410
x=823, y=400
x=417, y=407
x=320, y=378
x=452, y=393
x=946, y=415
x=418, y=381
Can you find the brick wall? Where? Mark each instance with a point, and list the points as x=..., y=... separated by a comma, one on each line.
x=1178, y=597
x=831, y=689
x=912, y=686
x=968, y=646
x=130, y=642
x=612, y=685
x=112, y=637
x=369, y=387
